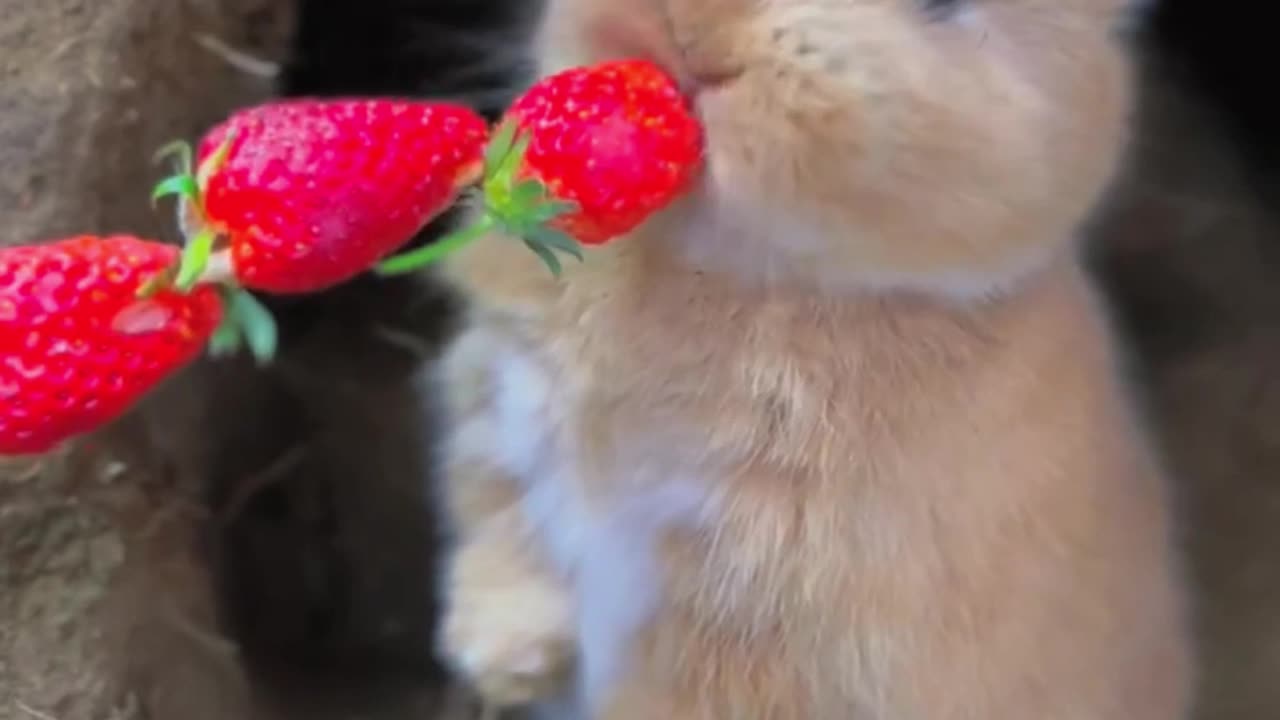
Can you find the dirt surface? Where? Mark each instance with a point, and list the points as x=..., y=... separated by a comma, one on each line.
x=106, y=603
x=91, y=88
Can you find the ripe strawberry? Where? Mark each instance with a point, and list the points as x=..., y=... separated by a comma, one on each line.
x=299, y=195
x=79, y=346
x=618, y=139
x=584, y=156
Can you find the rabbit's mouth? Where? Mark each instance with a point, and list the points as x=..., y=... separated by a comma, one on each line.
x=712, y=78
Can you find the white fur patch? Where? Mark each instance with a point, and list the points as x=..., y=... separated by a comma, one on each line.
x=605, y=550
x=522, y=398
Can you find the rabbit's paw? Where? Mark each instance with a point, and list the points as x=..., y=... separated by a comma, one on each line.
x=507, y=629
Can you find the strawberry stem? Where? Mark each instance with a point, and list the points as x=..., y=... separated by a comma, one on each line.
x=450, y=243
x=516, y=205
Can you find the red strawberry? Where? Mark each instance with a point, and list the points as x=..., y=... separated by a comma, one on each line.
x=617, y=139
x=584, y=156
x=306, y=194
x=79, y=346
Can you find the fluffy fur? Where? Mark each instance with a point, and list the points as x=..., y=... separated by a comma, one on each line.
x=841, y=434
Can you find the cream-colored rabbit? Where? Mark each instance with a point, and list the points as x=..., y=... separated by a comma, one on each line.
x=841, y=434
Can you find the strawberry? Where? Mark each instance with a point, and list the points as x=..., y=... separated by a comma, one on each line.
x=582, y=157
x=79, y=346
x=299, y=195
x=617, y=139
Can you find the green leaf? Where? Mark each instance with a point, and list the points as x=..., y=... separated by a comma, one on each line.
x=255, y=320
x=180, y=149
x=548, y=257
x=181, y=185
x=551, y=210
x=556, y=240
x=214, y=162
x=527, y=195
x=226, y=339
x=511, y=164
x=499, y=147
x=195, y=257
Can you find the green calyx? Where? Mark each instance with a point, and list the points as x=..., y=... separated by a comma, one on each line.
x=246, y=322
x=187, y=185
x=519, y=207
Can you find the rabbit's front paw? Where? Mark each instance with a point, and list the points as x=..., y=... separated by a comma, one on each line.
x=507, y=628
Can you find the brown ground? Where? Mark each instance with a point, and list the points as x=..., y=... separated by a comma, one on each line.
x=201, y=543
x=106, y=609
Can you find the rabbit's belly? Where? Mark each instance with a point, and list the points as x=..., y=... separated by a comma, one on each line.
x=609, y=558
x=604, y=542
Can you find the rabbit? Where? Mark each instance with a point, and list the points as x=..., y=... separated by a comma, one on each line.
x=843, y=432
